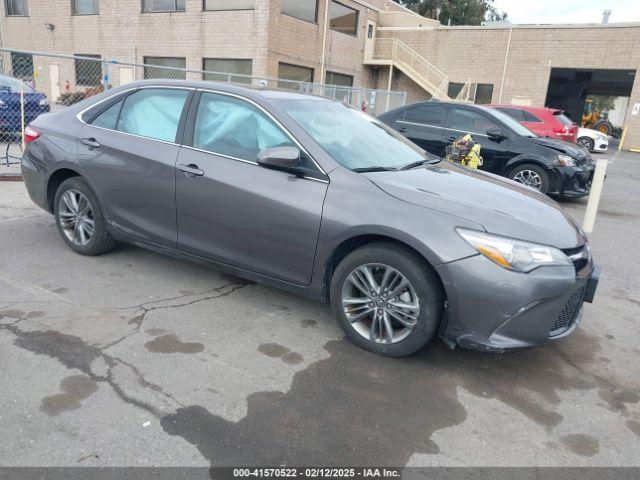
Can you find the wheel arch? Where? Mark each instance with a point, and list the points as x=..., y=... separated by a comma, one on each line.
x=352, y=243
x=54, y=182
x=522, y=160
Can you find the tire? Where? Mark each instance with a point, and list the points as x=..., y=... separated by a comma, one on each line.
x=425, y=294
x=531, y=171
x=73, y=221
x=604, y=126
x=587, y=143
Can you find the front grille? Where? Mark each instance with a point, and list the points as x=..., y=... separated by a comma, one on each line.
x=569, y=312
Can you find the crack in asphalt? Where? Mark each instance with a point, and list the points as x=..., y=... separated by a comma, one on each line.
x=74, y=353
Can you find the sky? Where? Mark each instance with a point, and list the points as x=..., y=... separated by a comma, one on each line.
x=569, y=11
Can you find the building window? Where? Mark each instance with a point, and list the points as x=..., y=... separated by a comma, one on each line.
x=339, y=79
x=303, y=9
x=163, y=6
x=154, y=68
x=454, y=89
x=22, y=66
x=88, y=72
x=294, y=74
x=225, y=66
x=84, y=7
x=484, y=93
x=229, y=4
x=343, y=19
x=17, y=8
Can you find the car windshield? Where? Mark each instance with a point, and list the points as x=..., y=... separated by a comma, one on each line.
x=353, y=139
x=13, y=85
x=518, y=128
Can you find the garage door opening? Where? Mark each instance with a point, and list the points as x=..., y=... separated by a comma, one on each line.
x=571, y=89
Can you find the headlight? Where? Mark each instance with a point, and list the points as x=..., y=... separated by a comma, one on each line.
x=43, y=103
x=566, y=161
x=514, y=254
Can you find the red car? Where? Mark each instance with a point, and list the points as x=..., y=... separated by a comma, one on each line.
x=545, y=122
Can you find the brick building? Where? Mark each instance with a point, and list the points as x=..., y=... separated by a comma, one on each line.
x=343, y=42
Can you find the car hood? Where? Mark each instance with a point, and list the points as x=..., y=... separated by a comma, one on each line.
x=501, y=206
x=574, y=151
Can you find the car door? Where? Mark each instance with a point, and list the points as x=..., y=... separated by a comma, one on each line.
x=424, y=126
x=232, y=210
x=463, y=120
x=128, y=152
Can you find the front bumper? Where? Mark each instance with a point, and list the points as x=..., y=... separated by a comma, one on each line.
x=494, y=309
x=572, y=182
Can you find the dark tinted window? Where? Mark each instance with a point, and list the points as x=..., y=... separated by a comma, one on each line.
x=515, y=113
x=108, y=118
x=16, y=7
x=88, y=72
x=171, y=62
x=241, y=67
x=454, y=89
x=334, y=78
x=426, y=114
x=484, y=93
x=302, y=9
x=232, y=127
x=153, y=113
x=469, y=121
x=22, y=65
x=84, y=7
x=530, y=117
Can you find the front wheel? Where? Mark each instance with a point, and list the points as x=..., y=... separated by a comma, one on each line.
x=532, y=176
x=387, y=299
x=587, y=143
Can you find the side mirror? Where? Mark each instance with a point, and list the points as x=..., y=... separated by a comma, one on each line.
x=495, y=133
x=286, y=159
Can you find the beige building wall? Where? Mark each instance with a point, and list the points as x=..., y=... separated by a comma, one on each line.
x=480, y=54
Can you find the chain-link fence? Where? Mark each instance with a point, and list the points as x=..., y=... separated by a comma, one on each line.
x=32, y=83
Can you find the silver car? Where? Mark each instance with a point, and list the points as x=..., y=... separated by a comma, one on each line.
x=314, y=197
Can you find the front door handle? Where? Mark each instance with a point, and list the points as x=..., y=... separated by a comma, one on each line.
x=91, y=142
x=402, y=129
x=191, y=170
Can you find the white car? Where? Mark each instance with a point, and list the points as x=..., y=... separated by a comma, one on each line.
x=592, y=140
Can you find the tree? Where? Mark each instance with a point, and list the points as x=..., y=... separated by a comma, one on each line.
x=455, y=12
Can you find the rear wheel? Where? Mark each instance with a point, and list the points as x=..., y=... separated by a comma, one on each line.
x=532, y=176
x=79, y=218
x=587, y=143
x=387, y=299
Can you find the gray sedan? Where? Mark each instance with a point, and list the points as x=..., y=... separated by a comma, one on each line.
x=317, y=198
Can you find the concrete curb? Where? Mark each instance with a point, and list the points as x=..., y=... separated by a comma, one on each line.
x=11, y=177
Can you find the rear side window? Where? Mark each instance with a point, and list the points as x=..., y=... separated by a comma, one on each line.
x=235, y=128
x=432, y=115
x=108, y=118
x=514, y=113
x=530, y=117
x=563, y=118
x=153, y=113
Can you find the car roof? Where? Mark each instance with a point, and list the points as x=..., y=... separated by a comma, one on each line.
x=249, y=91
x=540, y=110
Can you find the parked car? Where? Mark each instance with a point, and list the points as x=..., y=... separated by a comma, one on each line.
x=593, y=140
x=544, y=122
x=320, y=199
x=35, y=104
x=508, y=148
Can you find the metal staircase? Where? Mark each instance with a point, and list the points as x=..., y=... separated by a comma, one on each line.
x=396, y=53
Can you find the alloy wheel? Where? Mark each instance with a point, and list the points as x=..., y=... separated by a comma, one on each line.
x=529, y=178
x=380, y=303
x=76, y=218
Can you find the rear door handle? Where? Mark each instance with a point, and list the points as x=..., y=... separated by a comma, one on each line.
x=91, y=142
x=191, y=170
x=403, y=129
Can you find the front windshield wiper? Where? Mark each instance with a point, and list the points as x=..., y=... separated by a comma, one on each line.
x=375, y=169
x=421, y=163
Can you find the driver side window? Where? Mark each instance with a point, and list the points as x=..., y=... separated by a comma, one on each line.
x=235, y=128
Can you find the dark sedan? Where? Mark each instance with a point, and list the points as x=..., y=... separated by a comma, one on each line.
x=12, y=90
x=320, y=199
x=509, y=149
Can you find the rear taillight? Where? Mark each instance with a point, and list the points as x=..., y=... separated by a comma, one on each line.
x=30, y=134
